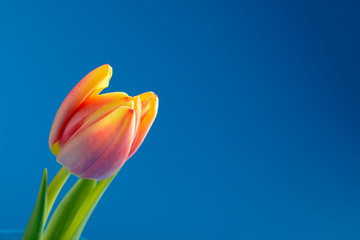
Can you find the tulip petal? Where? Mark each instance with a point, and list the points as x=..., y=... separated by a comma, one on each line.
x=137, y=109
x=99, y=151
x=91, y=110
x=91, y=84
x=149, y=108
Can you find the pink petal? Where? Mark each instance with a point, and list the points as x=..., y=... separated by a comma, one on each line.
x=92, y=109
x=91, y=84
x=99, y=151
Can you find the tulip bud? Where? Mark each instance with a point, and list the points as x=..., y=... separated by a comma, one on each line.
x=93, y=135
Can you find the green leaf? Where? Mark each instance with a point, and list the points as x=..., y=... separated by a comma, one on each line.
x=35, y=227
x=75, y=209
x=54, y=188
x=67, y=209
x=87, y=208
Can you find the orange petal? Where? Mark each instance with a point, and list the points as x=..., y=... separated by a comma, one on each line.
x=149, y=109
x=91, y=110
x=91, y=84
x=99, y=151
x=137, y=109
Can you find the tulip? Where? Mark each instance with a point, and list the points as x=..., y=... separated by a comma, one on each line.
x=94, y=135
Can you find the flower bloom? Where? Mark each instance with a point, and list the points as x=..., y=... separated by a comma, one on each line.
x=93, y=135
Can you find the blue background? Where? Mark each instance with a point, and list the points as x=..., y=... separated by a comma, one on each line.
x=257, y=135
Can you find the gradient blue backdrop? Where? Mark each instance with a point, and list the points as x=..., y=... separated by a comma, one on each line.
x=257, y=135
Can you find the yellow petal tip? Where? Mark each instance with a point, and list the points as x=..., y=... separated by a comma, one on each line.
x=55, y=148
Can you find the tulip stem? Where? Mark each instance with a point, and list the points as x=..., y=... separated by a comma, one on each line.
x=55, y=187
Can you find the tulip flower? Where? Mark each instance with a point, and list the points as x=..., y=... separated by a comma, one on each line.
x=94, y=134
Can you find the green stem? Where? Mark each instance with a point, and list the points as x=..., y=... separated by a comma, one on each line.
x=73, y=212
x=65, y=212
x=86, y=209
x=55, y=187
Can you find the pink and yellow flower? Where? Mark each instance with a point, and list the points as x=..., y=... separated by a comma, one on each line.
x=93, y=135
